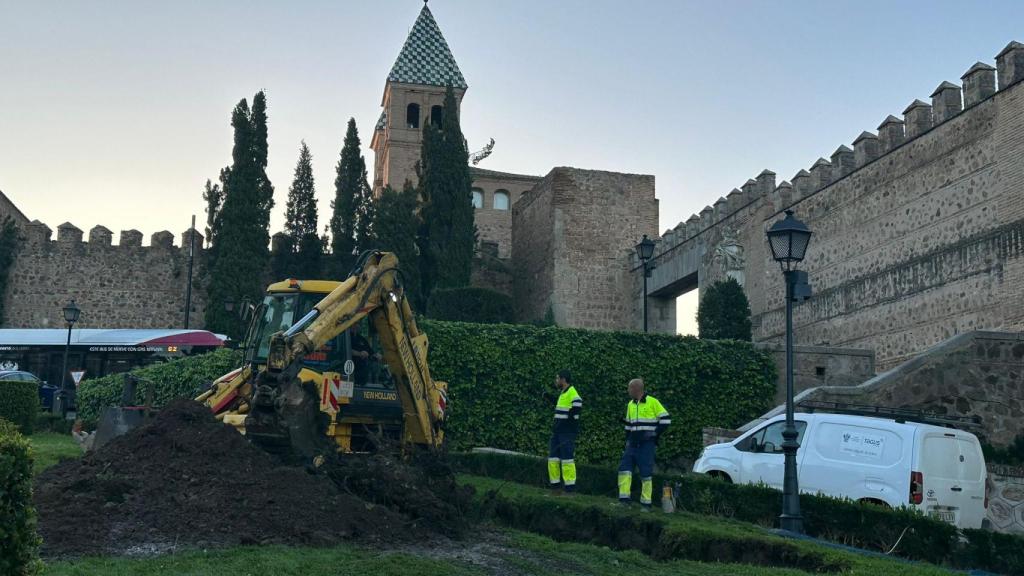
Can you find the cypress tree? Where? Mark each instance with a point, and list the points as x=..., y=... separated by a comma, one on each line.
x=724, y=312
x=242, y=222
x=351, y=215
x=301, y=221
x=396, y=224
x=448, y=234
x=213, y=197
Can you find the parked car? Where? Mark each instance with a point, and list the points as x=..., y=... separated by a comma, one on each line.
x=937, y=470
x=46, y=391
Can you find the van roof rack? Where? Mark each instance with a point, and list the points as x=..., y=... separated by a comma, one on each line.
x=897, y=414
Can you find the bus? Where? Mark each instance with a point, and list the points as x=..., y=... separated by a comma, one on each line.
x=97, y=352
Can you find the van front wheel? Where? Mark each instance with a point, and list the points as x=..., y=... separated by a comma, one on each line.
x=875, y=502
x=719, y=475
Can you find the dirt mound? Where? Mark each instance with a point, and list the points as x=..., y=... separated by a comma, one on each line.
x=186, y=480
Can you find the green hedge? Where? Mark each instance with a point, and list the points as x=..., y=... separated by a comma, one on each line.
x=184, y=377
x=662, y=537
x=501, y=384
x=19, y=542
x=843, y=521
x=19, y=403
x=470, y=304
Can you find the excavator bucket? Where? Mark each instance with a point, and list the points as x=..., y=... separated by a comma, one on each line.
x=286, y=419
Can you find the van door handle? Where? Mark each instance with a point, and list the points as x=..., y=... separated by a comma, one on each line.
x=956, y=489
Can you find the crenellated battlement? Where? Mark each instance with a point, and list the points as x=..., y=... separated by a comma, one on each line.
x=38, y=235
x=948, y=101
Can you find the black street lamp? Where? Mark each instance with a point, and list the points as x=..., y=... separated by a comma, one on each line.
x=71, y=314
x=788, y=239
x=645, y=250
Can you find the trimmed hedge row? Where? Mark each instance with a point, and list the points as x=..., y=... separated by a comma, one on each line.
x=662, y=537
x=19, y=542
x=19, y=404
x=182, y=377
x=843, y=521
x=501, y=384
x=471, y=304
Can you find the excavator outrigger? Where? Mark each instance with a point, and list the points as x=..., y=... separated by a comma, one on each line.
x=282, y=405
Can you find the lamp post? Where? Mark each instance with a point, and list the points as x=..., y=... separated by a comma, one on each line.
x=788, y=239
x=71, y=314
x=645, y=250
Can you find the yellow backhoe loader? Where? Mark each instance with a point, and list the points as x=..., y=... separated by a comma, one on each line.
x=317, y=382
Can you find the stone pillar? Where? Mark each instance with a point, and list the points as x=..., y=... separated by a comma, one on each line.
x=802, y=185
x=68, y=233
x=693, y=226
x=821, y=174
x=785, y=195
x=193, y=233
x=37, y=233
x=721, y=208
x=707, y=217
x=765, y=182
x=865, y=148
x=735, y=199
x=890, y=133
x=1010, y=63
x=130, y=238
x=750, y=191
x=979, y=83
x=917, y=118
x=842, y=162
x=162, y=239
x=946, y=102
x=100, y=236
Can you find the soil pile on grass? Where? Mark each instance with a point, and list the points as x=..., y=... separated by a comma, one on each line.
x=186, y=480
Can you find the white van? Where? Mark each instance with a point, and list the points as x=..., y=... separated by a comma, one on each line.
x=940, y=471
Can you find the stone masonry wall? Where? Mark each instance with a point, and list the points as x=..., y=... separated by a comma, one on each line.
x=571, y=237
x=116, y=286
x=815, y=366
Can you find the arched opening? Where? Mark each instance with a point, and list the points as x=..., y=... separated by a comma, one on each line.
x=436, y=115
x=501, y=200
x=412, y=116
x=478, y=198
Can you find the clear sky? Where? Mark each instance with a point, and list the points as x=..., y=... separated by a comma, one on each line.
x=116, y=112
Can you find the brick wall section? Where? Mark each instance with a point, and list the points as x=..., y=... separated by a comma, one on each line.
x=117, y=286
x=572, y=235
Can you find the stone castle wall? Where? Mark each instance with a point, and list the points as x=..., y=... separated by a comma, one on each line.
x=919, y=229
x=126, y=285
x=571, y=237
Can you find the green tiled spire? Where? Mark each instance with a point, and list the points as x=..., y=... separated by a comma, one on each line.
x=425, y=58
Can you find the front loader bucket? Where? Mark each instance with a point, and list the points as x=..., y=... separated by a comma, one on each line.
x=117, y=422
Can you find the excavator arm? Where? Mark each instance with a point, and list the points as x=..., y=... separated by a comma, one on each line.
x=282, y=408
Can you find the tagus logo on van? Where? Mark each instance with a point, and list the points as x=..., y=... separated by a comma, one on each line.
x=860, y=444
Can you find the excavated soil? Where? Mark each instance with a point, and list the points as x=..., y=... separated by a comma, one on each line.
x=188, y=481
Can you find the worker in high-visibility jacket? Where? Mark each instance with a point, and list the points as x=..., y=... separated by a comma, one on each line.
x=561, y=465
x=646, y=419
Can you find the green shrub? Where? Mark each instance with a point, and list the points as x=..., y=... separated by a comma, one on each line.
x=479, y=305
x=19, y=543
x=843, y=521
x=582, y=519
x=501, y=378
x=184, y=377
x=48, y=422
x=1011, y=455
x=19, y=403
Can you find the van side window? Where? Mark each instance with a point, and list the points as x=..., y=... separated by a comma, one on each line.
x=769, y=439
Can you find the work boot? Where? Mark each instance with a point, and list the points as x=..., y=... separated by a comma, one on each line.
x=625, y=504
x=645, y=508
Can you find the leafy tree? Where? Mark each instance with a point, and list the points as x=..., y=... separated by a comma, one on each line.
x=214, y=197
x=8, y=247
x=351, y=212
x=301, y=221
x=724, y=312
x=448, y=235
x=242, y=221
x=395, y=224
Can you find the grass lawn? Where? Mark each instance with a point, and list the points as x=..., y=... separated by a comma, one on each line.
x=49, y=448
